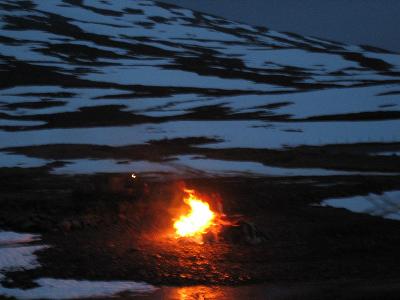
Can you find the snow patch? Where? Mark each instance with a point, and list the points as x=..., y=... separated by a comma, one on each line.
x=10, y=237
x=9, y=160
x=386, y=205
x=50, y=288
x=16, y=256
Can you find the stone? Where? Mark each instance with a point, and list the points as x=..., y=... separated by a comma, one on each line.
x=65, y=226
x=27, y=225
x=76, y=224
x=243, y=233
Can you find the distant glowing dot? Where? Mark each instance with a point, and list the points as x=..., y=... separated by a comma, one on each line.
x=133, y=176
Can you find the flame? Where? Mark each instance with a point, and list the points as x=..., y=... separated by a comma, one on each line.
x=199, y=219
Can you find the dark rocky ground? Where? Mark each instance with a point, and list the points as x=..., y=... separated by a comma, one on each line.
x=107, y=226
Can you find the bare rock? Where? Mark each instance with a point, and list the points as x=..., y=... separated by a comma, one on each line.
x=76, y=224
x=243, y=233
x=65, y=226
x=27, y=225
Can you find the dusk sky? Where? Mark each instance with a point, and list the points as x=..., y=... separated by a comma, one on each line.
x=371, y=22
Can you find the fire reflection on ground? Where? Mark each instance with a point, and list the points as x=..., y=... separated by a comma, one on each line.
x=214, y=292
x=202, y=292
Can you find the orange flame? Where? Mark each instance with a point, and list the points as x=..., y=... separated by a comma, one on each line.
x=197, y=221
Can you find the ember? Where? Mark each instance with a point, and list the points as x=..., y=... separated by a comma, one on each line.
x=198, y=221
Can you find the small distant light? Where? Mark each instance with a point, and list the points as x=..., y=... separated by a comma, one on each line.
x=134, y=176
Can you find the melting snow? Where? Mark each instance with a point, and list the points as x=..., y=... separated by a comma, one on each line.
x=191, y=165
x=6, y=122
x=50, y=288
x=10, y=237
x=226, y=167
x=386, y=205
x=386, y=153
x=240, y=134
x=18, y=160
x=15, y=255
x=254, y=60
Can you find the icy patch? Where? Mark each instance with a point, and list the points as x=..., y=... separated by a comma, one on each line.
x=191, y=165
x=386, y=205
x=304, y=59
x=32, y=89
x=147, y=106
x=243, y=134
x=145, y=76
x=14, y=256
x=295, y=105
x=4, y=122
x=50, y=288
x=26, y=53
x=8, y=160
x=10, y=237
x=387, y=153
x=32, y=35
x=17, y=259
x=227, y=167
x=73, y=12
x=318, y=103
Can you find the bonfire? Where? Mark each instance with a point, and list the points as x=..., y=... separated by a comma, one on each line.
x=204, y=218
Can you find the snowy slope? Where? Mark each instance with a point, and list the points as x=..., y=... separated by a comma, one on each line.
x=128, y=72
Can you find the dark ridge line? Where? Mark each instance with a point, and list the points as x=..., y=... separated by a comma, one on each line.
x=264, y=29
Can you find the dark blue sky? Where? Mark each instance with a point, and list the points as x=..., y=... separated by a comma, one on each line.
x=371, y=22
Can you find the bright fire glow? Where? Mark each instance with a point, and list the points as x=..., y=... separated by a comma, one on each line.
x=198, y=220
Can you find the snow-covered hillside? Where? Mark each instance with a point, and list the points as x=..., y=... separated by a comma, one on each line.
x=124, y=73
